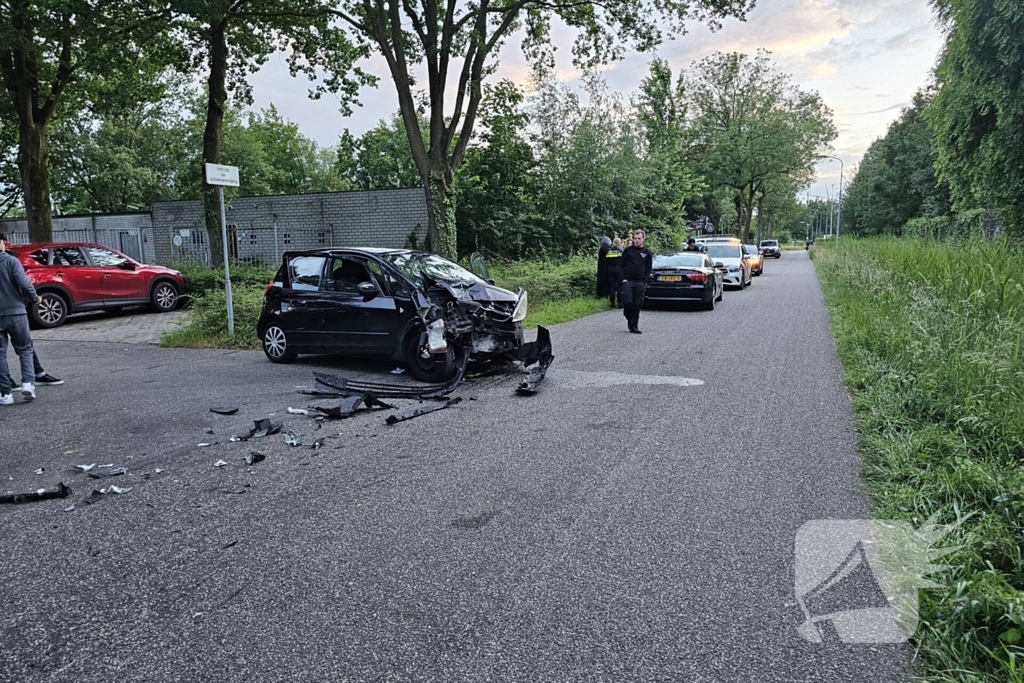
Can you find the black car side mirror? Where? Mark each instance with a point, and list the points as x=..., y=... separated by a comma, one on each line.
x=368, y=290
x=127, y=265
x=719, y=264
x=489, y=280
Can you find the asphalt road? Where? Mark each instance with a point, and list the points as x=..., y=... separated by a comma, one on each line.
x=624, y=524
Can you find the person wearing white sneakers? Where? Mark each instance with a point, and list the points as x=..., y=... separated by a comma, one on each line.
x=15, y=291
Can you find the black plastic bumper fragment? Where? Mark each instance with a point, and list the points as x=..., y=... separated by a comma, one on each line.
x=224, y=410
x=59, y=491
x=116, y=472
x=538, y=352
x=335, y=385
x=422, y=410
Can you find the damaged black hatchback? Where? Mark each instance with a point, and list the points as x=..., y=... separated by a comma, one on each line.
x=413, y=305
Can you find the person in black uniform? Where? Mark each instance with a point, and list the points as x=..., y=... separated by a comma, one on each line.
x=602, y=267
x=637, y=262
x=614, y=258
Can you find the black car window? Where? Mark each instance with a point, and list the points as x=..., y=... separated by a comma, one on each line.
x=39, y=256
x=691, y=260
x=104, y=258
x=414, y=264
x=68, y=256
x=305, y=272
x=346, y=274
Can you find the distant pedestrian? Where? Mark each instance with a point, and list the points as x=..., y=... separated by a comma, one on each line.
x=602, y=267
x=637, y=262
x=691, y=245
x=15, y=291
x=614, y=259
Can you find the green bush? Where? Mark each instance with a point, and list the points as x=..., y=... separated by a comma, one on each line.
x=930, y=335
x=201, y=279
x=549, y=281
x=207, y=327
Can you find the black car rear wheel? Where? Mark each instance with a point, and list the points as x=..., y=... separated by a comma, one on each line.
x=275, y=344
x=437, y=367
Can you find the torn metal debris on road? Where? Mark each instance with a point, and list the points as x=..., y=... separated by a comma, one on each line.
x=59, y=491
x=538, y=352
x=338, y=386
x=116, y=472
x=422, y=410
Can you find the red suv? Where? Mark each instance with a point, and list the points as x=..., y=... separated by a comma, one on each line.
x=72, y=277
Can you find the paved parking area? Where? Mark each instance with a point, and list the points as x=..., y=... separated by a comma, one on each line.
x=135, y=325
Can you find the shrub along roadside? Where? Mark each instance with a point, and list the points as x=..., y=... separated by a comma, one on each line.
x=558, y=292
x=930, y=338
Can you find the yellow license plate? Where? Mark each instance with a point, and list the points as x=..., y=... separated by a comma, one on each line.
x=670, y=278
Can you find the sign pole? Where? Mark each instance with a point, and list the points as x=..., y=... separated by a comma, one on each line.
x=227, y=268
x=220, y=176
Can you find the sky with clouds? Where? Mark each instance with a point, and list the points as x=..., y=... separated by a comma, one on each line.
x=865, y=57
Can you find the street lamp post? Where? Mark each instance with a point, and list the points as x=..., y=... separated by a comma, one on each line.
x=839, y=208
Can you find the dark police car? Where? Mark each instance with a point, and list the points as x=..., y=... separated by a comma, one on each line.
x=413, y=305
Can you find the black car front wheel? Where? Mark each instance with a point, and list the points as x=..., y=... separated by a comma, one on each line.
x=436, y=367
x=52, y=311
x=275, y=344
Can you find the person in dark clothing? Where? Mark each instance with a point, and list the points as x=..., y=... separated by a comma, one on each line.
x=637, y=262
x=691, y=245
x=614, y=259
x=43, y=378
x=602, y=267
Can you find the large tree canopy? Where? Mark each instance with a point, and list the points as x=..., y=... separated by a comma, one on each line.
x=453, y=42
x=53, y=50
x=978, y=112
x=896, y=179
x=751, y=125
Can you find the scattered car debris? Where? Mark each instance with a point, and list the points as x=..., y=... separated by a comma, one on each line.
x=262, y=427
x=109, y=465
x=118, y=490
x=538, y=352
x=224, y=410
x=422, y=410
x=254, y=457
x=202, y=445
x=210, y=431
x=298, y=411
x=70, y=508
x=59, y=491
x=86, y=468
x=292, y=438
x=219, y=463
x=229, y=545
x=95, y=497
x=337, y=386
x=317, y=445
x=112, y=473
x=40, y=470
x=157, y=471
x=398, y=371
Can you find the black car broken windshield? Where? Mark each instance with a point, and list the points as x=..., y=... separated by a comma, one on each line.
x=413, y=264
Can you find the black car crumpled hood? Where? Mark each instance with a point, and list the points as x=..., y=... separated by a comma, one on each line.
x=477, y=291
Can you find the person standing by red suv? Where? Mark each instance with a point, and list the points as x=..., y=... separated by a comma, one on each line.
x=15, y=291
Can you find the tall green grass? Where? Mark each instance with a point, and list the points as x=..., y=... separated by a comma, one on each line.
x=930, y=338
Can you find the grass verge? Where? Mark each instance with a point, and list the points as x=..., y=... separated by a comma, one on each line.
x=930, y=338
x=553, y=312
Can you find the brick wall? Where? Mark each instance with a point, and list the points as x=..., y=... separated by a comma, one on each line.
x=261, y=228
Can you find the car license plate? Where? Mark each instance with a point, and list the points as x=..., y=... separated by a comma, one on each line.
x=670, y=278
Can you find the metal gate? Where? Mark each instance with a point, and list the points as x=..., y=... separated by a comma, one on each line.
x=131, y=246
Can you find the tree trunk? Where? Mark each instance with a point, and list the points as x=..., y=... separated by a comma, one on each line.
x=760, y=217
x=34, y=165
x=216, y=102
x=441, y=227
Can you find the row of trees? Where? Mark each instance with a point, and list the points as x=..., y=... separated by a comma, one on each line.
x=959, y=147
x=101, y=86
